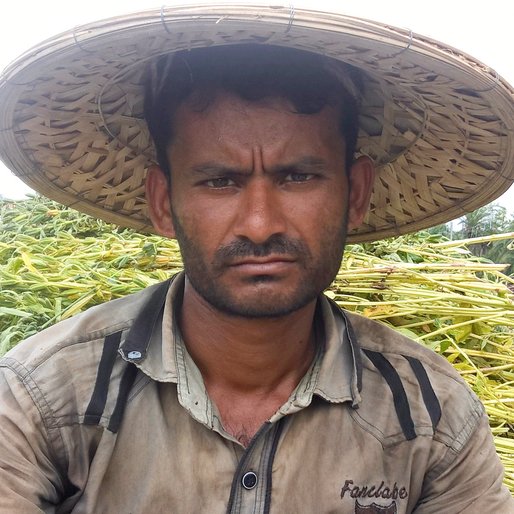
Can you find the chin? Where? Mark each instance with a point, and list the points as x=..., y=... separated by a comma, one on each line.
x=265, y=302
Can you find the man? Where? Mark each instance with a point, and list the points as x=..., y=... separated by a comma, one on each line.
x=237, y=386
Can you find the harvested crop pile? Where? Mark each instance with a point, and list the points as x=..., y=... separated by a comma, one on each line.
x=55, y=262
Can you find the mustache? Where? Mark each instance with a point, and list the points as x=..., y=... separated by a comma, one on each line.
x=276, y=244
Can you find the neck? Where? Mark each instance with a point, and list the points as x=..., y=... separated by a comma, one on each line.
x=247, y=355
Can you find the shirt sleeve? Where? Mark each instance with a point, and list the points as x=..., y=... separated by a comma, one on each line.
x=29, y=480
x=471, y=483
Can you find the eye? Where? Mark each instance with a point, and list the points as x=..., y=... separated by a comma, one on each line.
x=219, y=183
x=299, y=177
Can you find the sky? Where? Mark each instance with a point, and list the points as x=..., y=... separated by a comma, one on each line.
x=482, y=29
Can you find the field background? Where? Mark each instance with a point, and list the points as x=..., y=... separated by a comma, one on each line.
x=55, y=262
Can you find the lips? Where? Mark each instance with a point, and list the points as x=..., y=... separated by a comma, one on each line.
x=263, y=265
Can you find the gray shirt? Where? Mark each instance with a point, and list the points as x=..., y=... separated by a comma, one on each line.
x=107, y=413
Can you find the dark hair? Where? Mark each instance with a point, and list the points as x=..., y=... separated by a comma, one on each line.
x=253, y=72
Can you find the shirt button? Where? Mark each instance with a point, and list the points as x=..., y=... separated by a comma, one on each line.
x=249, y=480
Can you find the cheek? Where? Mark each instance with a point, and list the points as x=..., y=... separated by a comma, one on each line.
x=318, y=214
x=205, y=222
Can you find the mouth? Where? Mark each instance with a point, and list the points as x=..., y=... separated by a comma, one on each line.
x=269, y=265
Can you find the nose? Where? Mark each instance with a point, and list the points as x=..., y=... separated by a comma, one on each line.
x=260, y=214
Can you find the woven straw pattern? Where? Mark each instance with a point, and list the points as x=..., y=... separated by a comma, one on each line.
x=438, y=125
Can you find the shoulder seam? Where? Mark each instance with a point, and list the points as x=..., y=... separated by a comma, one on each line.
x=97, y=335
x=44, y=409
x=433, y=366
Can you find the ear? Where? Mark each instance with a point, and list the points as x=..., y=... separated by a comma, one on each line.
x=361, y=178
x=159, y=203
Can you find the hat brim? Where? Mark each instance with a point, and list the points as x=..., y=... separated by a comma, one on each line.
x=438, y=123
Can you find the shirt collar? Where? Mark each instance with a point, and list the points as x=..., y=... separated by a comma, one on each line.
x=340, y=375
x=155, y=345
x=150, y=342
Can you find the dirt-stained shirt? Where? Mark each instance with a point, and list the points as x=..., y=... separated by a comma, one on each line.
x=107, y=413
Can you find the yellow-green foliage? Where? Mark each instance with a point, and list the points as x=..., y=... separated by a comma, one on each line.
x=55, y=262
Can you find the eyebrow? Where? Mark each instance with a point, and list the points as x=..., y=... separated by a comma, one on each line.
x=307, y=164
x=212, y=169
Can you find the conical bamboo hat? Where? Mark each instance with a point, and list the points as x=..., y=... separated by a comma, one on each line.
x=439, y=124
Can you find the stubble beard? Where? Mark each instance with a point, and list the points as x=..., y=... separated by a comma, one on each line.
x=206, y=277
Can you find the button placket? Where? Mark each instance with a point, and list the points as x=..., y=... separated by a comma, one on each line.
x=251, y=487
x=247, y=494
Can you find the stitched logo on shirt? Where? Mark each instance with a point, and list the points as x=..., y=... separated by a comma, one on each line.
x=374, y=491
x=375, y=508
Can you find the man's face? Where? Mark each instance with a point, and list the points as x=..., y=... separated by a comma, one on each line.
x=259, y=201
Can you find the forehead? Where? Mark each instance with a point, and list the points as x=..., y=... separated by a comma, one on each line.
x=232, y=123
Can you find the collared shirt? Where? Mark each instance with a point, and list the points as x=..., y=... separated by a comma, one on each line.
x=108, y=413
